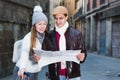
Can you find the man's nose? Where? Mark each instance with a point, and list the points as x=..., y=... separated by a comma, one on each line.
x=58, y=20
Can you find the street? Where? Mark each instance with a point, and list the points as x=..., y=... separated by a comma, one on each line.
x=96, y=67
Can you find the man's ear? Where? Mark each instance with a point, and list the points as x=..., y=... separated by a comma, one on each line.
x=66, y=17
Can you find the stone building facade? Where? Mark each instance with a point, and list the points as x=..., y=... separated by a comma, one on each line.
x=79, y=16
x=103, y=26
x=15, y=22
x=53, y=4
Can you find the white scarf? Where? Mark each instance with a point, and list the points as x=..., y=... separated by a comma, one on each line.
x=62, y=41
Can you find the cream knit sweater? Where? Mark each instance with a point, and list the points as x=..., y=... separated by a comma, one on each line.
x=24, y=61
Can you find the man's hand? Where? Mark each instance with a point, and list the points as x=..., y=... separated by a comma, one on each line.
x=81, y=56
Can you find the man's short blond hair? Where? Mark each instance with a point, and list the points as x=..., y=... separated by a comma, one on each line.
x=60, y=10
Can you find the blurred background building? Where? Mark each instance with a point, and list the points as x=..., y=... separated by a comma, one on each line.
x=102, y=26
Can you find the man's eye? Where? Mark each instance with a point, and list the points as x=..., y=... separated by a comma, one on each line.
x=61, y=18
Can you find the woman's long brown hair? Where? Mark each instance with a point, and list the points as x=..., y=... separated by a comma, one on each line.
x=33, y=40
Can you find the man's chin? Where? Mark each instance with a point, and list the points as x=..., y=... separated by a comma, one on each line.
x=59, y=26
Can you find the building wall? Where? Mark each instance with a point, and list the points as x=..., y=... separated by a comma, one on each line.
x=70, y=5
x=115, y=37
x=79, y=19
x=92, y=7
x=53, y=4
x=15, y=22
x=103, y=22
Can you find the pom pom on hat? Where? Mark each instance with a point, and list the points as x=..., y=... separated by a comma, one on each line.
x=37, y=9
x=38, y=15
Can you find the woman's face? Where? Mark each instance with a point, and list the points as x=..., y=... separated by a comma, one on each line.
x=41, y=26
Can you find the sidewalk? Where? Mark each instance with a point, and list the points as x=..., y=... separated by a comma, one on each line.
x=96, y=67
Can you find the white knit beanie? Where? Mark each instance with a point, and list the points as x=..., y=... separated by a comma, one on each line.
x=38, y=15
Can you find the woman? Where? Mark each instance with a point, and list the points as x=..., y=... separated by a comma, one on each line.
x=32, y=40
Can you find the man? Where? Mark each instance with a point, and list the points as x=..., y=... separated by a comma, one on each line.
x=62, y=38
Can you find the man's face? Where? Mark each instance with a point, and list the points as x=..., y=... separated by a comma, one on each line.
x=60, y=20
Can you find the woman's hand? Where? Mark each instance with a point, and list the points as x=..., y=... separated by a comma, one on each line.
x=81, y=56
x=21, y=73
x=36, y=57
